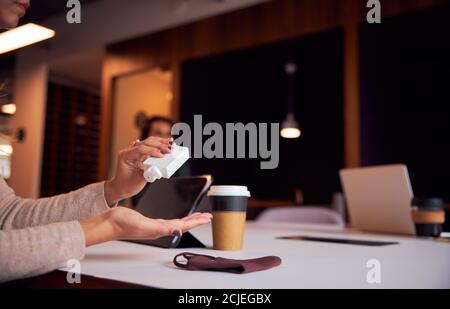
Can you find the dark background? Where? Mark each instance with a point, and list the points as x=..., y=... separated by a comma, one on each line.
x=251, y=86
x=42, y=9
x=405, y=97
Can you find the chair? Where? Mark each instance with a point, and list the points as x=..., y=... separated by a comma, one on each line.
x=301, y=214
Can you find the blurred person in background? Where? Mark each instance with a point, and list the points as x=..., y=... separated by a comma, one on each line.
x=159, y=126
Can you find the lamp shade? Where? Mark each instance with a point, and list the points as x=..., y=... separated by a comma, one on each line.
x=290, y=128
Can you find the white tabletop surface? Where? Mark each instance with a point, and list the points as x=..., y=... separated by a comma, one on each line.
x=413, y=263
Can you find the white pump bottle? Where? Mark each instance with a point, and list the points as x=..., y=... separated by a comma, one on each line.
x=165, y=167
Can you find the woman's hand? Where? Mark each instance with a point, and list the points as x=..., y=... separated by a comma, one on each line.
x=123, y=223
x=129, y=180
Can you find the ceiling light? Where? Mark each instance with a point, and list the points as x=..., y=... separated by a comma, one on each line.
x=290, y=127
x=9, y=109
x=23, y=36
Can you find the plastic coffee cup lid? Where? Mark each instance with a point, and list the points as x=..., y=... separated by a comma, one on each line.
x=229, y=191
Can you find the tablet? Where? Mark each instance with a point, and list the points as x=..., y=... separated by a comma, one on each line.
x=173, y=199
x=358, y=242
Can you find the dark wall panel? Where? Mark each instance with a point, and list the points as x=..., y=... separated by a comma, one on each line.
x=251, y=86
x=405, y=97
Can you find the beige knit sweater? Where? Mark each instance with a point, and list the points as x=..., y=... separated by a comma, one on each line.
x=38, y=236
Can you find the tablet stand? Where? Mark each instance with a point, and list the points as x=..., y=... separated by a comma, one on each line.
x=189, y=241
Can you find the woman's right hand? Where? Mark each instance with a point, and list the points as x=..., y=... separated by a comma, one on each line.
x=124, y=223
x=128, y=177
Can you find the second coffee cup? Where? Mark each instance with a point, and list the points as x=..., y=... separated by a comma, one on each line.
x=229, y=208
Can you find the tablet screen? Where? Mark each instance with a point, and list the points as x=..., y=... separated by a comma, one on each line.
x=172, y=199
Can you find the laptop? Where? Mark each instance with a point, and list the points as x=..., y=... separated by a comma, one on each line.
x=173, y=198
x=379, y=199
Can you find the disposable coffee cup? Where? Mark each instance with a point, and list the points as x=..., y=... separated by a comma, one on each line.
x=428, y=215
x=229, y=208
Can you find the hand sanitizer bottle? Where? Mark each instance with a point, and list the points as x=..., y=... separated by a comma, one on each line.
x=165, y=167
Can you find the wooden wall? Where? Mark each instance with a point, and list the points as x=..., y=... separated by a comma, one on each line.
x=269, y=22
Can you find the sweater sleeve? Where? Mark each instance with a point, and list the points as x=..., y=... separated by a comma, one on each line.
x=18, y=213
x=38, y=250
x=38, y=236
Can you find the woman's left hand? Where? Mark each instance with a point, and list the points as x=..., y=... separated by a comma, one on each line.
x=123, y=223
x=129, y=180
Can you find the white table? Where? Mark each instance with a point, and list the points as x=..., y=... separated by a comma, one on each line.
x=413, y=263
